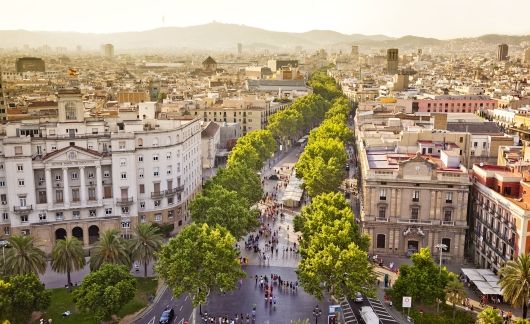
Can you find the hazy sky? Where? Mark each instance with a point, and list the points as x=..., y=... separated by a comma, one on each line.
x=435, y=18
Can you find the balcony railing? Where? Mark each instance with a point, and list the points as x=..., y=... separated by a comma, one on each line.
x=157, y=194
x=23, y=209
x=124, y=201
x=382, y=219
x=414, y=221
x=448, y=223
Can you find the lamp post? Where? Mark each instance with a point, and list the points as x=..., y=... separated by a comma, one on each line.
x=440, y=247
x=4, y=243
x=316, y=313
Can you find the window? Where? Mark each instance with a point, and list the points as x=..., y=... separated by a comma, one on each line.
x=170, y=200
x=382, y=194
x=449, y=197
x=126, y=224
x=74, y=175
x=382, y=212
x=5, y=216
x=414, y=213
x=155, y=157
x=20, y=167
x=2, y=183
x=461, y=139
x=59, y=216
x=142, y=204
x=108, y=211
x=94, y=130
x=123, y=162
x=142, y=188
x=91, y=193
x=157, y=203
x=57, y=177
x=125, y=210
x=76, y=214
x=158, y=217
x=168, y=155
x=447, y=243
x=91, y=175
x=381, y=240
x=142, y=218
x=54, y=147
x=168, y=170
x=155, y=141
x=92, y=213
x=106, y=174
x=70, y=111
x=416, y=195
x=156, y=172
x=140, y=158
x=7, y=230
x=75, y=194
x=121, y=145
x=448, y=215
x=18, y=150
x=475, y=144
x=24, y=218
x=140, y=173
x=169, y=214
x=1, y=166
x=140, y=142
x=124, y=175
x=21, y=182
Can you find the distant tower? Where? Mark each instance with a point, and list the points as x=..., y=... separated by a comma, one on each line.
x=354, y=50
x=107, y=50
x=526, y=56
x=392, y=61
x=239, y=48
x=502, y=52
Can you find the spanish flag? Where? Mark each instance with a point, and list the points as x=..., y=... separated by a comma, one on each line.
x=72, y=72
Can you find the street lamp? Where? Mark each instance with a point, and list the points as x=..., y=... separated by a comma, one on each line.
x=4, y=243
x=316, y=313
x=440, y=247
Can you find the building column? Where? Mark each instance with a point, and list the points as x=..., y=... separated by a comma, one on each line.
x=82, y=189
x=66, y=188
x=49, y=187
x=85, y=235
x=99, y=185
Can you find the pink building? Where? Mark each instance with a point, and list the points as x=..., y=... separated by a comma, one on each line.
x=456, y=104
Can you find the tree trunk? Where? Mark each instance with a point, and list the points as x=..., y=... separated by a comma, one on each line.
x=145, y=269
x=525, y=308
x=68, y=278
x=454, y=312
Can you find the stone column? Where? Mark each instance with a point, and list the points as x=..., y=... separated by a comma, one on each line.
x=99, y=185
x=49, y=187
x=82, y=189
x=66, y=188
x=85, y=235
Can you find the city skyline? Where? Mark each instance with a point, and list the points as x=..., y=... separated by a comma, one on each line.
x=363, y=17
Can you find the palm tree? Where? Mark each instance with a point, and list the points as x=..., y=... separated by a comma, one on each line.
x=455, y=293
x=145, y=242
x=515, y=281
x=68, y=256
x=489, y=316
x=24, y=257
x=110, y=248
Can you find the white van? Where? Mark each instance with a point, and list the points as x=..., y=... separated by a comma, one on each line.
x=368, y=315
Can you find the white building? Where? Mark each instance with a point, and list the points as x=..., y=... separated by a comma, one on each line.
x=79, y=177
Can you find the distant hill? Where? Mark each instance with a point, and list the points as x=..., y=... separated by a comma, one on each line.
x=218, y=36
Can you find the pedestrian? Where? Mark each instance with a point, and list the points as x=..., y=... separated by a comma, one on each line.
x=256, y=279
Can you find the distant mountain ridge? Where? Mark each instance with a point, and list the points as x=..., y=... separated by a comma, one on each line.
x=219, y=36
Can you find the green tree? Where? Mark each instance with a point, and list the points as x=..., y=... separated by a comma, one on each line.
x=241, y=179
x=285, y=124
x=111, y=248
x=455, y=293
x=198, y=260
x=219, y=206
x=20, y=296
x=421, y=280
x=520, y=321
x=340, y=107
x=144, y=243
x=68, y=256
x=323, y=176
x=324, y=85
x=515, y=282
x=23, y=256
x=327, y=149
x=262, y=141
x=245, y=154
x=344, y=271
x=104, y=291
x=333, y=127
x=489, y=315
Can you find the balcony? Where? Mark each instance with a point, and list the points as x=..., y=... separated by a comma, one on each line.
x=124, y=201
x=23, y=209
x=157, y=194
x=414, y=221
x=448, y=223
x=382, y=219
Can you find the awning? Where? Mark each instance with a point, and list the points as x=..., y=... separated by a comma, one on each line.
x=484, y=279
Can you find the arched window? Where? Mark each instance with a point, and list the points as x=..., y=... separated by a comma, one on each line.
x=140, y=142
x=155, y=141
x=169, y=140
x=447, y=242
x=70, y=111
x=381, y=240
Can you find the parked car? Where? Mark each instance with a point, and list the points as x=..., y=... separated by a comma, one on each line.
x=167, y=316
x=358, y=297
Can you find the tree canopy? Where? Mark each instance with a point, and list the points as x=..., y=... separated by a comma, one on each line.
x=104, y=291
x=219, y=206
x=239, y=178
x=198, y=260
x=23, y=256
x=20, y=295
x=515, y=282
x=421, y=280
